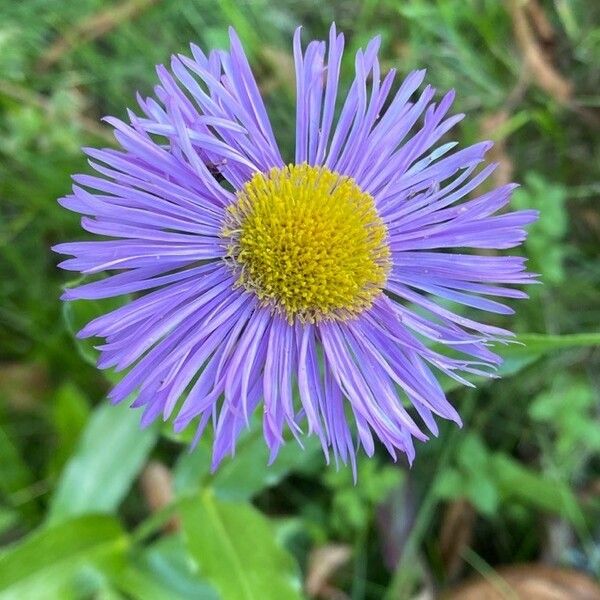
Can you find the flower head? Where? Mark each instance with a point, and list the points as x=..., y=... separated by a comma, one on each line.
x=308, y=242
x=311, y=288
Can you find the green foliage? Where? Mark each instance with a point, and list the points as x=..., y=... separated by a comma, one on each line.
x=235, y=548
x=530, y=444
x=544, y=248
x=238, y=478
x=493, y=480
x=106, y=461
x=352, y=505
x=80, y=312
x=70, y=413
x=447, y=37
x=164, y=571
x=473, y=477
x=52, y=562
x=567, y=413
x=15, y=473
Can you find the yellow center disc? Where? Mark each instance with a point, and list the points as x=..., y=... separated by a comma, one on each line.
x=308, y=242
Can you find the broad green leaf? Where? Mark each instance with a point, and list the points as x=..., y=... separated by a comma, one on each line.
x=483, y=493
x=164, y=571
x=48, y=562
x=473, y=455
x=248, y=472
x=192, y=469
x=69, y=416
x=109, y=455
x=449, y=483
x=236, y=550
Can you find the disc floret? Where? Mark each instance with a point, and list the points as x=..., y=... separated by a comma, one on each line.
x=309, y=242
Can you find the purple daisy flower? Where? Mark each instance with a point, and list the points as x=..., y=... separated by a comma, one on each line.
x=314, y=288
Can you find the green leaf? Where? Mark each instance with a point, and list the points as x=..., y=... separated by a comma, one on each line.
x=164, y=572
x=107, y=594
x=15, y=473
x=530, y=487
x=78, y=313
x=248, y=472
x=539, y=343
x=192, y=469
x=449, y=484
x=8, y=518
x=483, y=493
x=47, y=563
x=235, y=549
x=533, y=346
x=472, y=455
x=109, y=455
x=69, y=415
x=514, y=364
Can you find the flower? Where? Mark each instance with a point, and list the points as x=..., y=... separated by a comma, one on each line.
x=311, y=289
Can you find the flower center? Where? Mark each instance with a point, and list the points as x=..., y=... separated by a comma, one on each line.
x=308, y=242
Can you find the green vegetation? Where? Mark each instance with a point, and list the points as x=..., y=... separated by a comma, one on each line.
x=92, y=507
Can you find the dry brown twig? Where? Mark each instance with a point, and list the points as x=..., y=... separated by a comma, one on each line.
x=456, y=534
x=498, y=153
x=534, y=35
x=540, y=21
x=536, y=59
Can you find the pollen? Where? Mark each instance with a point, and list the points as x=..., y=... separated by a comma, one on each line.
x=308, y=242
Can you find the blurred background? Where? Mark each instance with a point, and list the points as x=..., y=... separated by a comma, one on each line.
x=507, y=507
